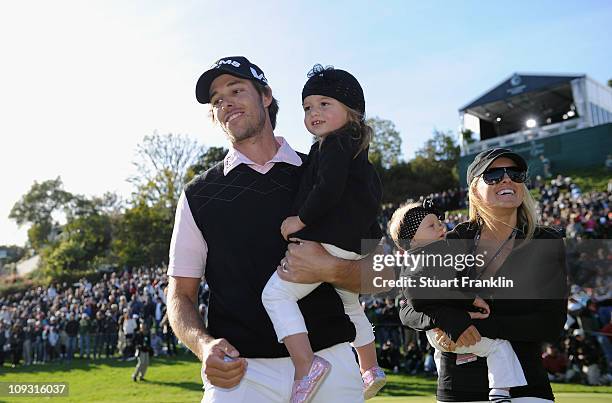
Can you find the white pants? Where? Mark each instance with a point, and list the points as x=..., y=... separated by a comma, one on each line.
x=504, y=368
x=280, y=299
x=513, y=400
x=269, y=380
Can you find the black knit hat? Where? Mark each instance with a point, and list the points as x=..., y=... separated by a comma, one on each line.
x=336, y=84
x=413, y=218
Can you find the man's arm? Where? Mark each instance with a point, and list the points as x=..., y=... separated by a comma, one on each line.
x=189, y=328
x=308, y=262
x=183, y=315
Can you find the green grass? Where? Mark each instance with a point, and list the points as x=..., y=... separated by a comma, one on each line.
x=170, y=380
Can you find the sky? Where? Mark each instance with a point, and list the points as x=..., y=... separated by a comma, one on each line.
x=82, y=82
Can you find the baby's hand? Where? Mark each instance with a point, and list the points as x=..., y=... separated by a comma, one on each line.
x=291, y=225
x=484, y=309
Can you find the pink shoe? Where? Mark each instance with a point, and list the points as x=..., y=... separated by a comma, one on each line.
x=304, y=389
x=374, y=379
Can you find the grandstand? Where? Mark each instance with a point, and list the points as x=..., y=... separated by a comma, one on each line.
x=563, y=117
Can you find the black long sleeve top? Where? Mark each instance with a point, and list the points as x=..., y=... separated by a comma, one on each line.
x=340, y=194
x=425, y=298
x=142, y=341
x=526, y=323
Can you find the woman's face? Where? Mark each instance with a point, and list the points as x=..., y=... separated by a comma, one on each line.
x=505, y=194
x=430, y=229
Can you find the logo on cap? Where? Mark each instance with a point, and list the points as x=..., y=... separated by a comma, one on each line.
x=227, y=61
x=258, y=76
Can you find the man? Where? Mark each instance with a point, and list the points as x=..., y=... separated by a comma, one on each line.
x=545, y=166
x=142, y=342
x=227, y=228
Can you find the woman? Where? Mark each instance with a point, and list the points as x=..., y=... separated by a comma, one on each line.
x=502, y=228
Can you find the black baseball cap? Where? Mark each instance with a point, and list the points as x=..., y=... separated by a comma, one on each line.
x=484, y=160
x=238, y=66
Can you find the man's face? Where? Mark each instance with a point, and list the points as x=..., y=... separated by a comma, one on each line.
x=237, y=107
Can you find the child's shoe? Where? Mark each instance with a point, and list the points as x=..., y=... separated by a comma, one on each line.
x=304, y=389
x=374, y=379
x=499, y=396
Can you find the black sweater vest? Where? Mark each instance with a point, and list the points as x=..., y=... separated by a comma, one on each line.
x=240, y=217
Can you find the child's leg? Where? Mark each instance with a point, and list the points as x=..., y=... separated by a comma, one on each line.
x=301, y=353
x=367, y=356
x=504, y=368
x=280, y=298
x=364, y=340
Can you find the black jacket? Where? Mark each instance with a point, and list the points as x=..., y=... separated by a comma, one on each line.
x=142, y=341
x=526, y=323
x=340, y=195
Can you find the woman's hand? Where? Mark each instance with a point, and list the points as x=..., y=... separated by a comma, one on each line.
x=469, y=337
x=478, y=315
x=291, y=225
x=480, y=303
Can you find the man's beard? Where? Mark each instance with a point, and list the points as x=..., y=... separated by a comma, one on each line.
x=251, y=130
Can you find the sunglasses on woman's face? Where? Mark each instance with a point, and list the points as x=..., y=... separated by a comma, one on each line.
x=495, y=175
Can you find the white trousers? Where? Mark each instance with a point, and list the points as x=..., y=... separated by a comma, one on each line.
x=280, y=299
x=269, y=380
x=504, y=368
x=513, y=400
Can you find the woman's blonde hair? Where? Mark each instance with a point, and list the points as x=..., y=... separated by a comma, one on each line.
x=527, y=215
x=396, y=221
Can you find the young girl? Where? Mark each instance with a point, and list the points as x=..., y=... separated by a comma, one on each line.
x=337, y=204
x=412, y=228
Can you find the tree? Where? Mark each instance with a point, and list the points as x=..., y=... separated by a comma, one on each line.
x=610, y=83
x=37, y=207
x=438, y=160
x=206, y=161
x=141, y=236
x=82, y=240
x=386, y=144
x=41, y=201
x=161, y=164
x=468, y=136
x=441, y=147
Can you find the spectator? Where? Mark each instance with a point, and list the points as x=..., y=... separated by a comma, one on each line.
x=555, y=363
x=99, y=333
x=16, y=340
x=545, y=166
x=390, y=356
x=85, y=328
x=142, y=342
x=72, y=331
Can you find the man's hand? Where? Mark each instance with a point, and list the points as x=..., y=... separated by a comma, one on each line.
x=306, y=262
x=219, y=372
x=469, y=337
x=291, y=225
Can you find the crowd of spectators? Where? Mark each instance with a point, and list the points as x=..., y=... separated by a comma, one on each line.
x=88, y=321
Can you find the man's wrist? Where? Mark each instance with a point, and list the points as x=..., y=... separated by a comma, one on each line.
x=341, y=270
x=203, y=341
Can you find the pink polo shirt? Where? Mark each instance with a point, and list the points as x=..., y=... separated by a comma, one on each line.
x=188, y=248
